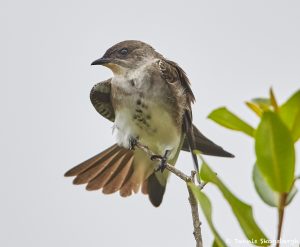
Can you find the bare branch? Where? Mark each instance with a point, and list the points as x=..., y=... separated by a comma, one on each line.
x=196, y=220
x=192, y=200
x=169, y=167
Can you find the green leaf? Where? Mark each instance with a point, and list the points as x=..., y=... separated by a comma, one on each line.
x=215, y=244
x=273, y=100
x=241, y=210
x=263, y=103
x=207, y=210
x=275, y=152
x=264, y=191
x=291, y=195
x=290, y=114
x=269, y=196
x=227, y=119
x=255, y=108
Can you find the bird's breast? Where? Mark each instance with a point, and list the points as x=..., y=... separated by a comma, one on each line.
x=147, y=118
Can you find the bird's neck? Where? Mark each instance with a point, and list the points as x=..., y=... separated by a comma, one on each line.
x=135, y=79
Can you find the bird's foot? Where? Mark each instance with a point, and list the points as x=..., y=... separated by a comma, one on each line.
x=132, y=143
x=163, y=161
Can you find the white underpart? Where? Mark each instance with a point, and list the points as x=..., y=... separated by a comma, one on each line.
x=162, y=134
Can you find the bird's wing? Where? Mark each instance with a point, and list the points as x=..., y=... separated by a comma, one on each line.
x=174, y=75
x=101, y=99
x=180, y=85
x=193, y=138
x=205, y=145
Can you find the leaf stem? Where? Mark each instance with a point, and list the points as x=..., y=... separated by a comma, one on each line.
x=281, y=208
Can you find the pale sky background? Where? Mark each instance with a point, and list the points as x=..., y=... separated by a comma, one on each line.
x=232, y=51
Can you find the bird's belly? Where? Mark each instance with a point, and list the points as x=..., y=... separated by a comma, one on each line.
x=150, y=123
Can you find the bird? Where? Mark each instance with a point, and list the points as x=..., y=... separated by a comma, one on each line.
x=149, y=100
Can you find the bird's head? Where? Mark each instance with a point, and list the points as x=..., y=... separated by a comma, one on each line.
x=126, y=56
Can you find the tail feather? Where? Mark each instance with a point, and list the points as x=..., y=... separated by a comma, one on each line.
x=119, y=177
x=90, y=173
x=111, y=170
x=145, y=187
x=120, y=169
x=156, y=190
x=126, y=190
x=107, y=172
x=88, y=163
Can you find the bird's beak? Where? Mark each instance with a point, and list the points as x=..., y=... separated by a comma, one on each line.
x=109, y=63
x=101, y=61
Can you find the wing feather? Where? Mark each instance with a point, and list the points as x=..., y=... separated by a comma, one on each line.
x=193, y=138
x=179, y=84
x=101, y=99
x=206, y=146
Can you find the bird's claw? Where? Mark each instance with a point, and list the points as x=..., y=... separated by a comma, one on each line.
x=162, y=165
x=132, y=143
x=156, y=157
x=163, y=161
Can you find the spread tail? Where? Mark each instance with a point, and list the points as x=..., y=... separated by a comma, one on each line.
x=120, y=169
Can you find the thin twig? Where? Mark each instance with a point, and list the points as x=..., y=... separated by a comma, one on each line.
x=192, y=200
x=169, y=167
x=196, y=220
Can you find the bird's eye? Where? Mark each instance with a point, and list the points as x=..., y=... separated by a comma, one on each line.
x=123, y=51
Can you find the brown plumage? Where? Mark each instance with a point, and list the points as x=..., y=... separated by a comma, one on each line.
x=110, y=170
x=149, y=99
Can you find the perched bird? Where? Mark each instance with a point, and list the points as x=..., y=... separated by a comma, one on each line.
x=149, y=100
